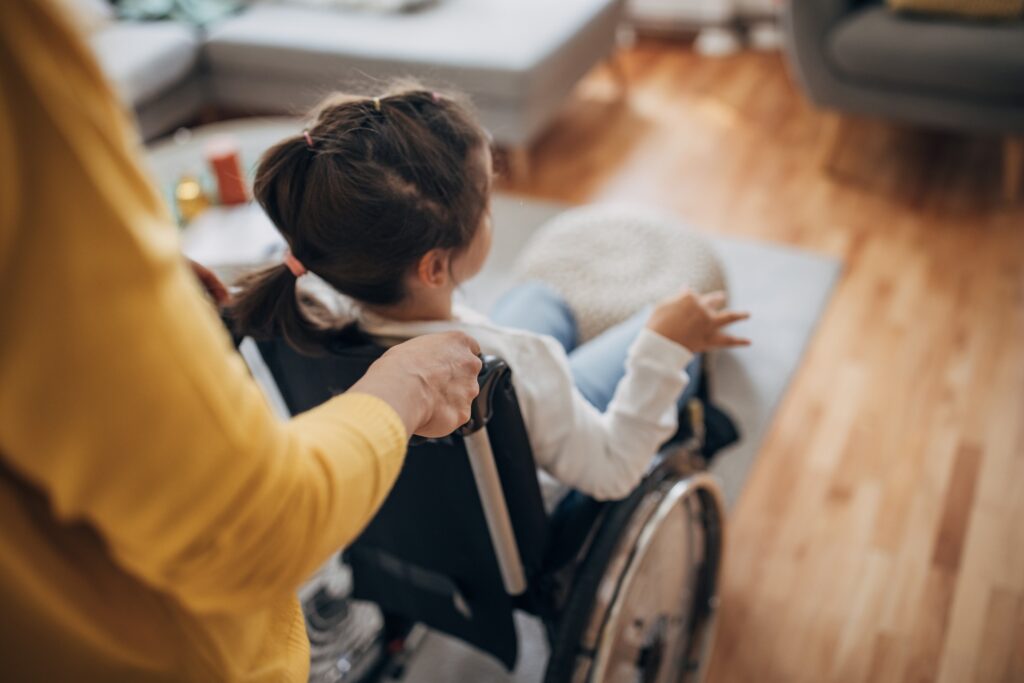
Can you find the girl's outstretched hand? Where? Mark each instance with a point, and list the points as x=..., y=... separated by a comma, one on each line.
x=697, y=321
x=430, y=381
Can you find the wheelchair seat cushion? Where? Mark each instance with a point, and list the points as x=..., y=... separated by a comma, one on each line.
x=609, y=261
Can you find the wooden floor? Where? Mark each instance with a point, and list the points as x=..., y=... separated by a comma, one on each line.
x=880, y=536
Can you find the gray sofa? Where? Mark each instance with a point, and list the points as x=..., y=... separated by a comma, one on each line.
x=155, y=69
x=857, y=56
x=517, y=60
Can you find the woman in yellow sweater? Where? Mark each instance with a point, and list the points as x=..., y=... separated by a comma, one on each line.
x=155, y=519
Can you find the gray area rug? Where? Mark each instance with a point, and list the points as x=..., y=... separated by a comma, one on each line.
x=786, y=290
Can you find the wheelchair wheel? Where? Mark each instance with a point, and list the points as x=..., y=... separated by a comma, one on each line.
x=643, y=609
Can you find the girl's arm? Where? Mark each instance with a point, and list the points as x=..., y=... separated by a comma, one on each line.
x=605, y=455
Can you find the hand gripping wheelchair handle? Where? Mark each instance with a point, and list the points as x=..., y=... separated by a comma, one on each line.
x=485, y=474
x=492, y=370
x=482, y=408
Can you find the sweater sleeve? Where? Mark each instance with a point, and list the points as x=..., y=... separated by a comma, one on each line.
x=602, y=454
x=121, y=397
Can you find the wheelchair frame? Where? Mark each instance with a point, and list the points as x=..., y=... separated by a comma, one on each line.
x=667, y=485
x=584, y=603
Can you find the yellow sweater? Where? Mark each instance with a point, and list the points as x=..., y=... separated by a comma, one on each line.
x=155, y=519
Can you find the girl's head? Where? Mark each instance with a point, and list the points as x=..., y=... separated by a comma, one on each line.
x=377, y=195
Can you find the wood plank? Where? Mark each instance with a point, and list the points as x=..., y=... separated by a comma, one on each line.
x=880, y=536
x=956, y=513
x=1001, y=637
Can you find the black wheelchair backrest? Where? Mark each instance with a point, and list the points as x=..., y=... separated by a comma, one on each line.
x=428, y=554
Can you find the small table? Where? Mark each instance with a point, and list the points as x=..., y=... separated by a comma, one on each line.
x=230, y=240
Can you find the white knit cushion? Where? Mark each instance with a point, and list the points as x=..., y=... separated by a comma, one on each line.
x=609, y=261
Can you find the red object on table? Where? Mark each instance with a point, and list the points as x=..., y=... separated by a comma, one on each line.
x=223, y=156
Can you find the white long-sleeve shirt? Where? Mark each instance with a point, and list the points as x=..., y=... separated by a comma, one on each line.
x=602, y=454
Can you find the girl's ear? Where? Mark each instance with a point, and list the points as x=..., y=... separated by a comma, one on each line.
x=433, y=268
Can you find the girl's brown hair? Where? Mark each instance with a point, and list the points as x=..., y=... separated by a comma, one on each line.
x=378, y=183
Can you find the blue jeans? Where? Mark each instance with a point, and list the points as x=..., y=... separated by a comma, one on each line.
x=598, y=365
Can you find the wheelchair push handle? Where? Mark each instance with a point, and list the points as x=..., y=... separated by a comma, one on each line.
x=482, y=408
x=485, y=474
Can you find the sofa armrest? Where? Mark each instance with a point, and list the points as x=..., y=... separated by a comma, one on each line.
x=807, y=26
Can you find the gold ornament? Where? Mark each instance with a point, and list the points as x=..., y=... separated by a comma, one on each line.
x=190, y=198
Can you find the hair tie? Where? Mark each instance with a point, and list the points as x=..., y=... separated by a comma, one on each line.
x=436, y=96
x=376, y=103
x=294, y=264
x=309, y=138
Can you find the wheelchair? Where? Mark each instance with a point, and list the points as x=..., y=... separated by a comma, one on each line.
x=626, y=590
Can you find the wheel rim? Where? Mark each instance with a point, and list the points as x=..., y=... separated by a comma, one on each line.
x=646, y=637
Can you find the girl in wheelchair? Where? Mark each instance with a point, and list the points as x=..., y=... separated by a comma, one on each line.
x=386, y=200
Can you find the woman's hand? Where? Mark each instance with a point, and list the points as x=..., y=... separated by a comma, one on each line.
x=211, y=283
x=430, y=381
x=696, y=321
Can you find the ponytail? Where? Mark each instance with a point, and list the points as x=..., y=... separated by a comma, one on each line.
x=267, y=307
x=360, y=195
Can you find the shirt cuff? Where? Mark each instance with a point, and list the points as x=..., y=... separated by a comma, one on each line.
x=652, y=346
x=375, y=414
x=379, y=428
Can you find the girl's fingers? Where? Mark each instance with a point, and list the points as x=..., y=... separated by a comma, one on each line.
x=729, y=317
x=728, y=341
x=714, y=300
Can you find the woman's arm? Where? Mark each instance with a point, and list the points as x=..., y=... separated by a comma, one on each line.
x=121, y=397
